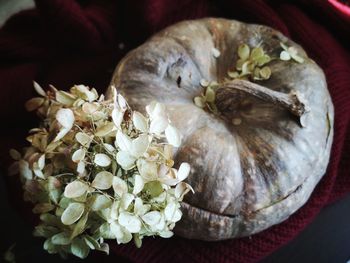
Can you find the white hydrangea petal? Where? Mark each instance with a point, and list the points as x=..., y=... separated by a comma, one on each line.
x=151, y=218
x=159, y=111
x=83, y=139
x=183, y=172
x=131, y=222
x=140, y=122
x=126, y=200
x=169, y=211
x=61, y=134
x=125, y=160
x=117, y=117
x=158, y=125
x=65, y=117
x=78, y=155
x=75, y=189
x=39, y=173
x=139, y=208
x=39, y=89
x=116, y=230
x=139, y=184
x=150, y=108
x=109, y=147
x=139, y=145
x=284, y=55
x=181, y=189
x=81, y=167
x=102, y=160
x=114, y=212
x=122, y=102
x=72, y=213
x=101, y=202
x=123, y=141
x=173, y=135
x=103, y=180
x=177, y=216
x=148, y=170
x=41, y=162
x=166, y=234
x=119, y=186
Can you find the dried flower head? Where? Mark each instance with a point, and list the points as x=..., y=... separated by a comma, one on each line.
x=98, y=170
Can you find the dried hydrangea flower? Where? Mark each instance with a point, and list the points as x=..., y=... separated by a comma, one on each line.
x=97, y=170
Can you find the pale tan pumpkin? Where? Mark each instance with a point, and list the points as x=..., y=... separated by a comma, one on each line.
x=250, y=173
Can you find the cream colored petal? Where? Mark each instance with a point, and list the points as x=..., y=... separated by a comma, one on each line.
x=173, y=135
x=103, y=180
x=72, y=213
x=75, y=189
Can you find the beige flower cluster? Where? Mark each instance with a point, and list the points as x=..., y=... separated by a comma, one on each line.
x=98, y=170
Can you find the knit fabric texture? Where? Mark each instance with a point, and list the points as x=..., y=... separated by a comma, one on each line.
x=64, y=42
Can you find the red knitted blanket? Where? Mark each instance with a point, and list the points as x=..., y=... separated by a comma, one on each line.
x=65, y=42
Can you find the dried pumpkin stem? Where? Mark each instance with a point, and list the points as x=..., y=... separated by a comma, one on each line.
x=290, y=101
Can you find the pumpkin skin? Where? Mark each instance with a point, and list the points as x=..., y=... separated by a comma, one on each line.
x=249, y=176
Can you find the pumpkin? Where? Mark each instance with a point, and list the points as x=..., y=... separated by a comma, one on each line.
x=258, y=160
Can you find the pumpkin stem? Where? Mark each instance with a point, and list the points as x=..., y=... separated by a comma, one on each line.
x=291, y=101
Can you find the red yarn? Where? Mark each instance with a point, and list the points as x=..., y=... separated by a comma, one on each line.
x=66, y=42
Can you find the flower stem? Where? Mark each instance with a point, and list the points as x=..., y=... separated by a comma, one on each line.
x=225, y=96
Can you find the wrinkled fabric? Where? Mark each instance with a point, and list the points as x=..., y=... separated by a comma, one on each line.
x=80, y=42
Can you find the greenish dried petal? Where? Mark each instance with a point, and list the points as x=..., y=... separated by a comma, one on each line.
x=72, y=213
x=246, y=68
x=263, y=60
x=209, y=95
x=80, y=226
x=233, y=74
x=43, y=208
x=243, y=51
x=101, y=202
x=91, y=242
x=239, y=64
x=154, y=188
x=265, y=72
x=79, y=248
x=256, y=53
x=45, y=231
x=50, y=219
x=137, y=240
x=199, y=102
x=62, y=238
